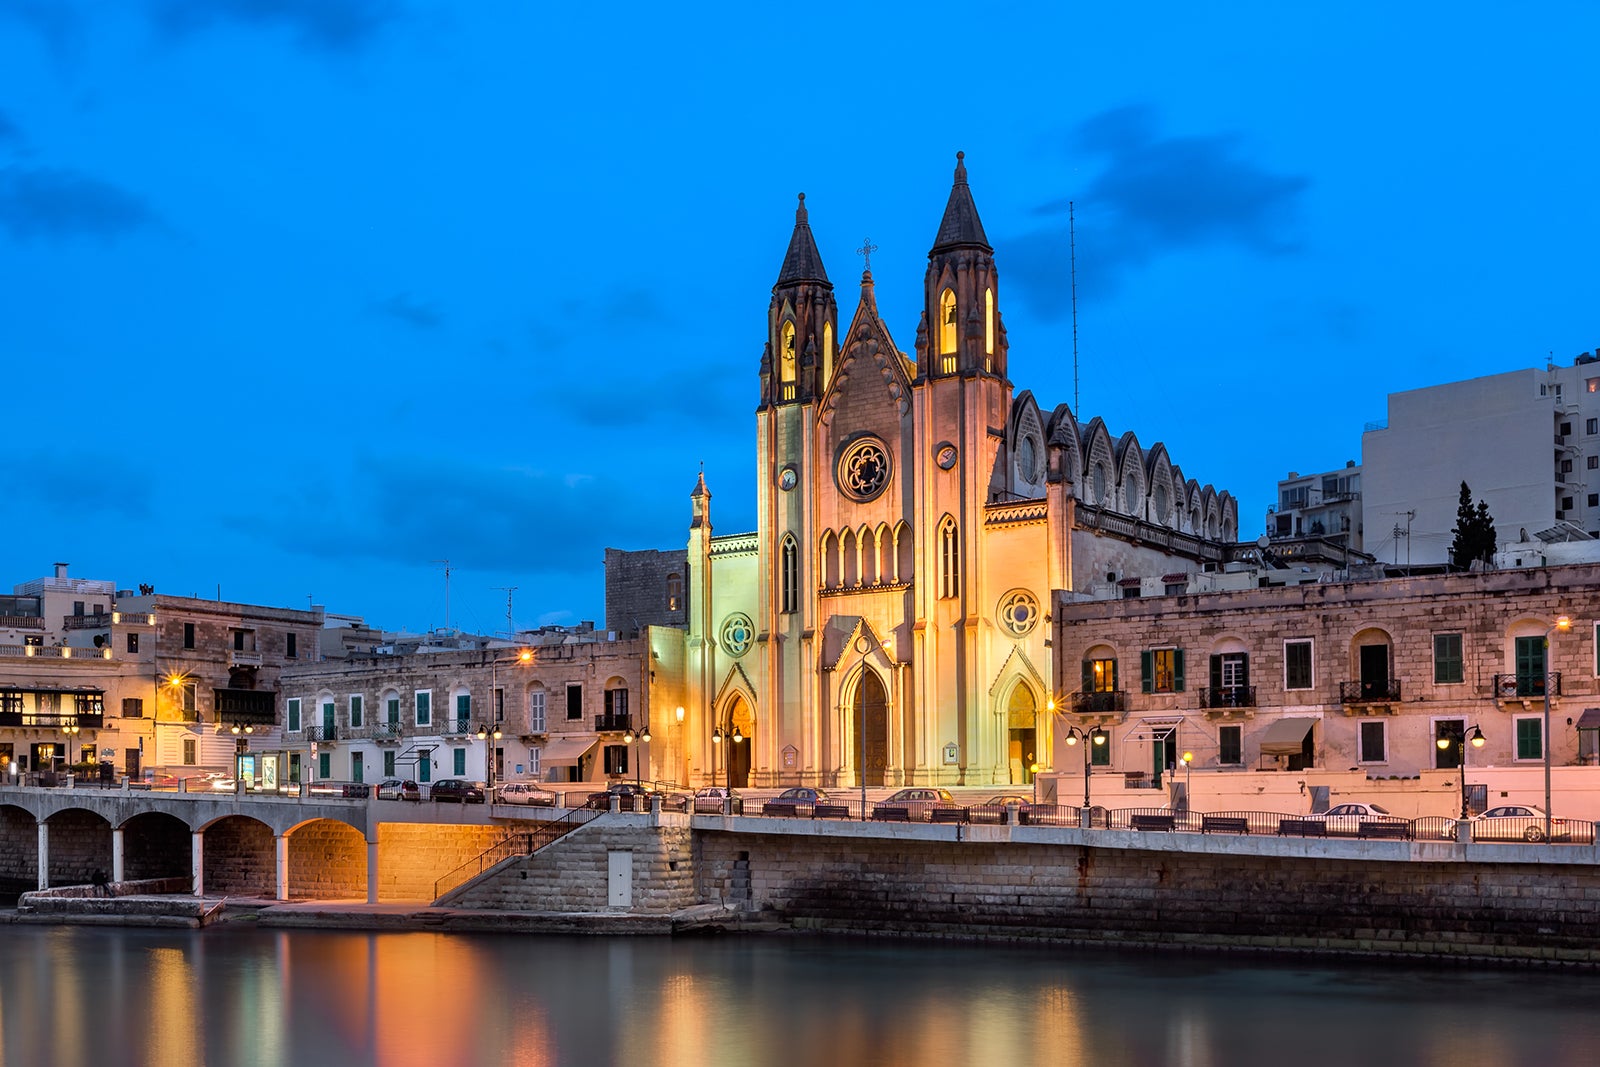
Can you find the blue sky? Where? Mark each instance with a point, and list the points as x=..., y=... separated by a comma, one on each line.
x=299, y=296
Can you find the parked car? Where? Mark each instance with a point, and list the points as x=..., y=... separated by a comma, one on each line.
x=800, y=800
x=527, y=793
x=709, y=799
x=1007, y=807
x=399, y=789
x=1345, y=819
x=918, y=802
x=455, y=790
x=1517, y=822
x=634, y=797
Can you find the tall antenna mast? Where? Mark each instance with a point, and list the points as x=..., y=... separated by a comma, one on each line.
x=1072, y=237
x=446, y=591
x=508, y=590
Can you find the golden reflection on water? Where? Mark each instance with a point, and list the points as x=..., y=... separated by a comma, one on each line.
x=173, y=1019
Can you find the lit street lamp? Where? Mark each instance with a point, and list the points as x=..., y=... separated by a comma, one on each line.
x=1563, y=624
x=484, y=734
x=1460, y=743
x=638, y=764
x=718, y=736
x=241, y=745
x=1094, y=737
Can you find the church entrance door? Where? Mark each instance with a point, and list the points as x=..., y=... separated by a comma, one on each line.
x=872, y=722
x=1022, y=752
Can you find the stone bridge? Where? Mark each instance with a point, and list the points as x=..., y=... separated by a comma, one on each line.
x=283, y=848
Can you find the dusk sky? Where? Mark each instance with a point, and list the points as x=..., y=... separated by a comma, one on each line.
x=300, y=296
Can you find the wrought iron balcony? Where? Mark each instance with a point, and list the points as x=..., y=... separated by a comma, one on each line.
x=613, y=723
x=1228, y=696
x=1525, y=686
x=1370, y=692
x=457, y=727
x=389, y=732
x=322, y=733
x=1095, y=703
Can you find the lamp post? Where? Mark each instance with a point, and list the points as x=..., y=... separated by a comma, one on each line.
x=1476, y=740
x=1094, y=737
x=638, y=764
x=241, y=745
x=1187, y=760
x=718, y=737
x=484, y=735
x=1562, y=623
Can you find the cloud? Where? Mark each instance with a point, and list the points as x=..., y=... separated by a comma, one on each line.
x=50, y=482
x=9, y=133
x=334, y=25
x=54, y=203
x=407, y=509
x=1154, y=195
x=57, y=22
x=406, y=309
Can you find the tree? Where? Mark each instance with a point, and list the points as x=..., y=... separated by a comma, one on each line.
x=1474, y=532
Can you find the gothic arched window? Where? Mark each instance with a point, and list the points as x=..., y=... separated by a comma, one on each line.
x=674, y=592
x=827, y=353
x=949, y=558
x=947, y=324
x=789, y=575
x=988, y=321
x=786, y=361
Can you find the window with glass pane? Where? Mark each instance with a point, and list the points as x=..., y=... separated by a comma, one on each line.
x=1297, y=665
x=1374, y=742
x=1530, y=739
x=1447, y=665
x=1230, y=745
x=1161, y=670
x=536, y=711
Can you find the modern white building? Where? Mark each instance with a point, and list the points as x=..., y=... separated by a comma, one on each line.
x=1526, y=442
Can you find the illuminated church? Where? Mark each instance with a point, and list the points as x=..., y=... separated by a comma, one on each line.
x=887, y=620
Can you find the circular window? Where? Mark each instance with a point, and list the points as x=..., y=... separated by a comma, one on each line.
x=737, y=633
x=1027, y=459
x=864, y=469
x=1019, y=612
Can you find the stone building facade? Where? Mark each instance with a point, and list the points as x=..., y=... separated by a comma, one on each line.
x=569, y=707
x=884, y=622
x=1366, y=675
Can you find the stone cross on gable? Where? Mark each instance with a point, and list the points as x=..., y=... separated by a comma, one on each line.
x=865, y=252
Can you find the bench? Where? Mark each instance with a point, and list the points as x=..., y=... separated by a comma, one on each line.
x=1224, y=824
x=891, y=813
x=1302, y=828
x=774, y=808
x=1151, y=822
x=947, y=815
x=1394, y=830
x=830, y=811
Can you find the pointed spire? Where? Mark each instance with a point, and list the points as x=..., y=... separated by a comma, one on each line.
x=802, y=263
x=960, y=226
x=700, y=489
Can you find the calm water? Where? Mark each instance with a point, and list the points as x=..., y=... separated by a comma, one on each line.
x=244, y=997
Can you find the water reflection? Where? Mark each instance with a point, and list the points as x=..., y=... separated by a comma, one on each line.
x=251, y=997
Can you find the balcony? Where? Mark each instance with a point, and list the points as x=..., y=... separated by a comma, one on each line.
x=1228, y=696
x=252, y=707
x=21, y=622
x=323, y=733
x=614, y=723
x=1365, y=694
x=387, y=733
x=1523, y=688
x=456, y=727
x=238, y=657
x=1100, y=703
x=100, y=620
x=53, y=720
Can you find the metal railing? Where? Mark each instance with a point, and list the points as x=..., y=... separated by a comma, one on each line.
x=1094, y=703
x=1515, y=686
x=522, y=844
x=322, y=733
x=1386, y=692
x=616, y=722
x=1228, y=696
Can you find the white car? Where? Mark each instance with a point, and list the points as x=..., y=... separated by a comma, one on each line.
x=526, y=793
x=1518, y=822
x=1346, y=819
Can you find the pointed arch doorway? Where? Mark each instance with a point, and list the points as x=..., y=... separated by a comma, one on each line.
x=1022, y=721
x=736, y=755
x=871, y=710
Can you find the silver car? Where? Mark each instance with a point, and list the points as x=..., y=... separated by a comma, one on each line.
x=526, y=793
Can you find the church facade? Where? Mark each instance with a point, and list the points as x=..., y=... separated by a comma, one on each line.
x=886, y=623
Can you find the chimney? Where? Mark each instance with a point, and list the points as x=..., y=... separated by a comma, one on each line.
x=61, y=570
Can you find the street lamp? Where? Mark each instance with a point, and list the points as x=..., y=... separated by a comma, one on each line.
x=484, y=734
x=718, y=736
x=1188, y=795
x=638, y=764
x=1563, y=624
x=1094, y=737
x=1476, y=739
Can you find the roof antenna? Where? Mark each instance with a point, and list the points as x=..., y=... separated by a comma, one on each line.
x=446, y=592
x=511, y=630
x=1072, y=237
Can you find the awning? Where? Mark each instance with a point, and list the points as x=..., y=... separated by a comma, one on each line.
x=1153, y=730
x=1286, y=737
x=566, y=751
x=1590, y=719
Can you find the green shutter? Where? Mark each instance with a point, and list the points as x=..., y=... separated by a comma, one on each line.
x=1177, y=670
x=1528, y=746
x=1088, y=676
x=1147, y=681
x=1216, y=673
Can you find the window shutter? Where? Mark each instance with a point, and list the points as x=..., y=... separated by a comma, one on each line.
x=1146, y=672
x=1244, y=668
x=1177, y=670
x=1216, y=672
x=1088, y=676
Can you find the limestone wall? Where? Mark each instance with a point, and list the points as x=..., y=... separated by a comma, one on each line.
x=413, y=856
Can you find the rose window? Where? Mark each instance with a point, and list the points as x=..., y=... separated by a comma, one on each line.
x=864, y=469
x=737, y=633
x=1019, y=612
